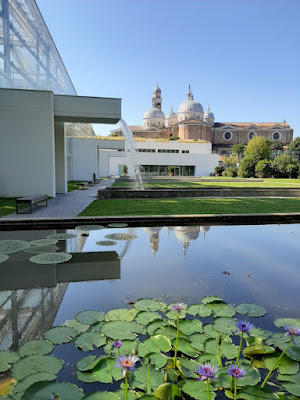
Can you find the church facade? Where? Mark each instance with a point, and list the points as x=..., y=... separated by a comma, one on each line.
x=192, y=123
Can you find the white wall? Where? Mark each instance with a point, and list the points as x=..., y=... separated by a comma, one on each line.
x=27, y=163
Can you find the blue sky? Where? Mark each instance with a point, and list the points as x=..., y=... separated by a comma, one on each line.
x=240, y=56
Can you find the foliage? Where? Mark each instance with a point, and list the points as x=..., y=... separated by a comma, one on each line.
x=230, y=172
x=174, y=138
x=148, y=330
x=230, y=161
x=257, y=149
x=264, y=169
x=170, y=169
x=239, y=149
x=295, y=145
x=124, y=169
x=246, y=168
x=285, y=166
x=276, y=145
x=219, y=170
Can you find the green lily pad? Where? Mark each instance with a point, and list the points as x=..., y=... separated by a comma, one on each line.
x=221, y=309
x=290, y=378
x=62, y=236
x=170, y=332
x=211, y=299
x=209, y=330
x=105, y=370
x=117, y=225
x=212, y=358
x=7, y=358
x=38, y=346
x=280, y=322
x=106, y=243
x=293, y=351
x=121, y=314
x=199, y=309
x=128, y=347
x=225, y=325
x=25, y=383
x=139, y=378
x=285, y=366
x=153, y=326
x=146, y=317
x=162, y=342
x=61, y=334
x=50, y=258
x=120, y=236
x=189, y=367
x=257, y=349
x=252, y=310
x=167, y=391
x=87, y=363
x=33, y=364
x=197, y=390
x=228, y=350
x=103, y=396
x=121, y=330
x=259, y=333
x=185, y=348
x=149, y=305
x=131, y=394
x=89, y=227
x=43, y=390
x=197, y=340
x=159, y=360
x=90, y=317
x=87, y=340
x=3, y=257
x=256, y=393
x=75, y=324
x=292, y=388
x=43, y=242
x=13, y=246
x=190, y=326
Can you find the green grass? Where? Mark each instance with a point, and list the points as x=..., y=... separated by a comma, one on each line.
x=271, y=183
x=7, y=206
x=191, y=206
x=72, y=185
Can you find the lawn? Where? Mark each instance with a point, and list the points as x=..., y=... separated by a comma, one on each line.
x=7, y=206
x=271, y=183
x=72, y=185
x=191, y=206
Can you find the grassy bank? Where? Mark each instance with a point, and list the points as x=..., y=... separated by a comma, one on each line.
x=272, y=183
x=7, y=206
x=191, y=206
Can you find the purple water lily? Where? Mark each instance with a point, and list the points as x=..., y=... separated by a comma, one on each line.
x=117, y=344
x=235, y=371
x=244, y=326
x=127, y=363
x=178, y=307
x=292, y=331
x=207, y=371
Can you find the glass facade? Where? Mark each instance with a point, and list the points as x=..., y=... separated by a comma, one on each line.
x=28, y=56
x=162, y=170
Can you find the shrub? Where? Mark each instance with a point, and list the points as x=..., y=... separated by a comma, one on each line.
x=282, y=167
x=219, y=170
x=257, y=149
x=239, y=149
x=246, y=168
x=174, y=138
x=264, y=169
x=230, y=172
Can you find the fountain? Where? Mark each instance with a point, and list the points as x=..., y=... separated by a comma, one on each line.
x=131, y=155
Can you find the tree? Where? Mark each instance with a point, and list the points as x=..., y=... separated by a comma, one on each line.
x=276, y=145
x=295, y=145
x=230, y=172
x=257, y=149
x=264, y=169
x=239, y=149
x=230, y=161
x=246, y=168
x=282, y=166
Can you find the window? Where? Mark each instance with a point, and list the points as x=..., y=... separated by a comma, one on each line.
x=227, y=135
x=276, y=136
x=251, y=135
x=148, y=123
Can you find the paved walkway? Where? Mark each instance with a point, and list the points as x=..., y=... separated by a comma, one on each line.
x=65, y=205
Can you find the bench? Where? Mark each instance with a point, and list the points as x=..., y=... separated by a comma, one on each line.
x=34, y=199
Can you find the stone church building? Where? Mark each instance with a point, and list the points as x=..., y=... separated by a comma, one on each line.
x=192, y=123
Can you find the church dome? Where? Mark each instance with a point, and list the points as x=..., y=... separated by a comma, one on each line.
x=154, y=113
x=157, y=89
x=171, y=114
x=190, y=106
x=209, y=117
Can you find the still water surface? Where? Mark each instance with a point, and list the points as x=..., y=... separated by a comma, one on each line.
x=255, y=264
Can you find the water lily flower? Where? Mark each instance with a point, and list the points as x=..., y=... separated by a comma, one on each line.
x=235, y=371
x=207, y=371
x=292, y=331
x=127, y=363
x=244, y=327
x=178, y=307
x=117, y=344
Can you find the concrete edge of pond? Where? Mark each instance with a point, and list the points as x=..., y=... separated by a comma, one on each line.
x=151, y=220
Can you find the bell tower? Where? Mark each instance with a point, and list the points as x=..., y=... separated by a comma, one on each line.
x=156, y=99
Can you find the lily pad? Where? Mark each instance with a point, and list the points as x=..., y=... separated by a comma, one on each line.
x=38, y=346
x=120, y=330
x=42, y=249
x=221, y=309
x=62, y=236
x=197, y=390
x=199, y=309
x=258, y=349
x=50, y=258
x=106, y=243
x=145, y=318
x=228, y=350
x=25, y=383
x=280, y=322
x=43, y=390
x=61, y=334
x=78, y=326
x=185, y=348
x=190, y=326
x=149, y=305
x=121, y=314
x=89, y=227
x=225, y=325
x=3, y=257
x=87, y=340
x=104, y=396
x=251, y=310
x=167, y=391
x=128, y=347
x=87, y=363
x=90, y=317
x=285, y=366
x=13, y=246
x=151, y=328
x=211, y=299
x=7, y=358
x=197, y=340
x=159, y=360
x=139, y=378
x=43, y=242
x=117, y=225
x=120, y=236
x=33, y=364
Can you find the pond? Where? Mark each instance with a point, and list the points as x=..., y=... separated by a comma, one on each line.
x=240, y=264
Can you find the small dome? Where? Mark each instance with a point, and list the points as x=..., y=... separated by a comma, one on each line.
x=157, y=89
x=190, y=106
x=208, y=114
x=154, y=113
x=171, y=114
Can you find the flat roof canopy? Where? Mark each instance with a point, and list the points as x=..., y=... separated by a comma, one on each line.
x=102, y=110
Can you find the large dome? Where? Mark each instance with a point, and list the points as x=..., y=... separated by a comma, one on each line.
x=190, y=106
x=154, y=113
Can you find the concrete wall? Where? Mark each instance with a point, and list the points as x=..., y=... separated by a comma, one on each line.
x=27, y=162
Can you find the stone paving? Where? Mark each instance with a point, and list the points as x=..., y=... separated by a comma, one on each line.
x=66, y=204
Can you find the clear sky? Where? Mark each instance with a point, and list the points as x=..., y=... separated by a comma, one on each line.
x=240, y=56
